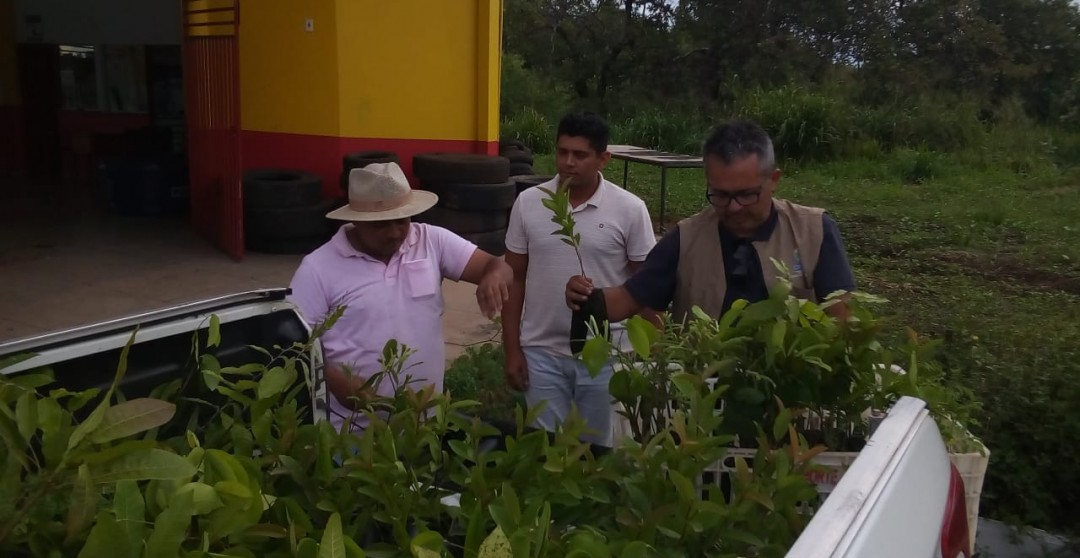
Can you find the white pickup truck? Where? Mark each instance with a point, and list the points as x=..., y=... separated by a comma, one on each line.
x=900, y=498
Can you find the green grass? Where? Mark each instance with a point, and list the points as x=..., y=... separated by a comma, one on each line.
x=982, y=254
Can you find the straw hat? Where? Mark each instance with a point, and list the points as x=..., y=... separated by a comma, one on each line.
x=380, y=192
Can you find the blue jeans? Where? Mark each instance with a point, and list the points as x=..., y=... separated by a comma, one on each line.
x=562, y=381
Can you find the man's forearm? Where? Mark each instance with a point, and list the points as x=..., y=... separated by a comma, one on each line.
x=346, y=387
x=620, y=305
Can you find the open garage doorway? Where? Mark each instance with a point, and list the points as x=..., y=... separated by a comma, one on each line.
x=123, y=111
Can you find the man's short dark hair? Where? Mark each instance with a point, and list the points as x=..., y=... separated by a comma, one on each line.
x=737, y=139
x=586, y=125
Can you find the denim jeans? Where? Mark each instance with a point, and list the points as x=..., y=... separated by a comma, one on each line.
x=562, y=381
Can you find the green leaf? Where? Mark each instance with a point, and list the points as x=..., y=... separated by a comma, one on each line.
x=763, y=310
x=780, y=425
x=749, y=396
x=595, y=355
x=776, y=342
x=636, y=549
x=203, y=497
x=687, y=384
x=210, y=378
x=130, y=514
x=91, y=424
x=233, y=488
x=683, y=485
x=88, y=426
x=112, y=453
x=144, y=465
x=353, y=550
x=426, y=544
x=586, y=543
x=84, y=504
x=307, y=548
x=642, y=334
x=245, y=370
x=132, y=417
x=213, y=336
x=170, y=527
x=267, y=530
x=26, y=414
x=333, y=543
x=621, y=386
x=275, y=381
x=495, y=545
x=103, y=538
x=732, y=314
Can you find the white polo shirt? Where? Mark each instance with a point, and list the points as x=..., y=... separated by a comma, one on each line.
x=615, y=229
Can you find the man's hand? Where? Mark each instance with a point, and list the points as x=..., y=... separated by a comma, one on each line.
x=517, y=370
x=494, y=288
x=492, y=277
x=347, y=387
x=578, y=289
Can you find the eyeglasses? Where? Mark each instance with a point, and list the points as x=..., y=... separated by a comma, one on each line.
x=743, y=197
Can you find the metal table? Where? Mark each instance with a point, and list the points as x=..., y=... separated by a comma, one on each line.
x=633, y=154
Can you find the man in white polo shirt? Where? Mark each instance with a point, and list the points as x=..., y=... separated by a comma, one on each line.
x=616, y=236
x=388, y=272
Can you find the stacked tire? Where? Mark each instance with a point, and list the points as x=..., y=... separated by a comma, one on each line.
x=284, y=211
x=520, y=157
x=360, y=160
x=475, y=196
x=527, y=181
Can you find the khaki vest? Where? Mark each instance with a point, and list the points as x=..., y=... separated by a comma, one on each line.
x=700, y=278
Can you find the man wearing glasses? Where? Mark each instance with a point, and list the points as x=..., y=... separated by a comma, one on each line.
x=725, y=252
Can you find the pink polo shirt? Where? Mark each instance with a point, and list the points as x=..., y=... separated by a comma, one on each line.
x=401, y=300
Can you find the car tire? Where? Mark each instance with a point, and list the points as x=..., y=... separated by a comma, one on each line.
x=283, y=223
x=518, y=156
x=274, y=188
x=492, y=242
x=460, y=168
x=517, y=169
x=464, y=222
x=475, y=197
x=526, y=181
x=510, y=143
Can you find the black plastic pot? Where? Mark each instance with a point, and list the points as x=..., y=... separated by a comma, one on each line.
x=595, y=306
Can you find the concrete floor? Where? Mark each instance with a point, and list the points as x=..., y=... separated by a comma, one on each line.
x=67, y=266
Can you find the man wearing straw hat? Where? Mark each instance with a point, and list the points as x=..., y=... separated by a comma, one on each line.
x=387, y=272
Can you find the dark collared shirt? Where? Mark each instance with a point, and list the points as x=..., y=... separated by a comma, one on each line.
x=653, y=285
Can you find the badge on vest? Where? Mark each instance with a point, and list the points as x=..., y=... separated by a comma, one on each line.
x=796, y=269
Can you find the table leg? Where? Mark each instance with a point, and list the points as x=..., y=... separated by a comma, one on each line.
x=625, y=175
x=663, y=197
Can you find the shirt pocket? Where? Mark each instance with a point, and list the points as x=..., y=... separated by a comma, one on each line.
x=423, y=281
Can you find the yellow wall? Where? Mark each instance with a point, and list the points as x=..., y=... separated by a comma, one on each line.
x=405, y=69
x=9, y=68
x=289, y=76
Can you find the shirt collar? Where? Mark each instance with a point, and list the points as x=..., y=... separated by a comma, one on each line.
x=598, y=196
x=346, y=249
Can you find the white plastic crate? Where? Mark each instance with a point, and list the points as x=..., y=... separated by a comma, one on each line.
x=972, y=468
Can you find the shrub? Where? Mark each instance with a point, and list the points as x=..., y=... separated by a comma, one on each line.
x=804, y=125
x=531, y=128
